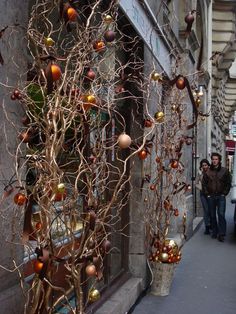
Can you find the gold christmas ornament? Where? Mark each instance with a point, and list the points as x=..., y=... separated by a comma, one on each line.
x=108, y=19
x=49, y=42
x=91, y=99
x=164, y=257
x=94, y=295
x=203, y=118
x=198, y=101
x=61, y=187
x=124, y=140
x=159, y=116
x=156, y=76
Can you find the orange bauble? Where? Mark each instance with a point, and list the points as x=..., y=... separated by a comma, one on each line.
x=99, y=45
x=152, y=187
x=180, y=83
x=91, y=270
x=142, y=154
x=174, y=164
x=38, y=226
x=38, y=266
x=72, y=14
x=176, y=212
x=56, y=72
x=20, y=199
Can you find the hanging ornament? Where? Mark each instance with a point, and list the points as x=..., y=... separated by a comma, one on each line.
x=109, y=36
x=142, y=154
x=25, y=120
x=25, y=136
x=71, y=14
x=99, y=46
x=49, y=42
x=90, y=99
x=38, y=226
x=188, y=141
x=38, y=266
x=155, y=76
x=198, y=102
x=164, y=257
x=56, y=72
x=91, y=270
x=152, y=187
x=147, y=123
x=180, y=83
x=124, y=140
x=61, y=188
x=159, y=116
x=174, y=164
x=91, y=75
x=176, y=212
x=20, y=199
x=106, y=246
x=108, y=19
x=59, y=197
x=94, y=295
x=173, y=107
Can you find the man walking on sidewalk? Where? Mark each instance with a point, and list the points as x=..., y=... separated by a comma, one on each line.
x=216, y=185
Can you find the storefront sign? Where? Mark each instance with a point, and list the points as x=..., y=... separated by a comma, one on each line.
x=140, y=21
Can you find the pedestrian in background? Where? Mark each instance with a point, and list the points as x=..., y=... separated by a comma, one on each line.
x=204, y=166
x=216, y=185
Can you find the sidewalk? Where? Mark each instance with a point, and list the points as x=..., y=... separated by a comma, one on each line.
x=205, y=279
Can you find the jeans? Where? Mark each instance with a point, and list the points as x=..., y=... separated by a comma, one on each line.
x=217, y=204
x=206, y=210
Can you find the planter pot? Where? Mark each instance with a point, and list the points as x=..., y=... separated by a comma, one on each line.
x=162, y=278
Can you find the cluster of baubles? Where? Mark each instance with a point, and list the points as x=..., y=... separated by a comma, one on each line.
x=16, y=95
x=165, y=252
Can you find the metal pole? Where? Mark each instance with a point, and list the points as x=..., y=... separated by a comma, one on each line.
x=233, y=191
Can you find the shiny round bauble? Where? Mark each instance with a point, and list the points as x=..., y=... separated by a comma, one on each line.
x=91, y=99
x=142, y=154
x=189, y=18
x=99, y=45
x=188, y=141
x=38, y=266
x=174, y=164
x=71, y=14
x=94, y=295
x=13, y=97
x=91, y=270
x=124, y=140
x=164, y=257
x=203, y=118
x=56, y=72
x=155, y=76
x=173, y=107
x=145, y=199
x=17, y=94
x=178, y=258
x=90, y=75
x=20, y=199
x=188, y=187
x=180, y=83
x=38, y=226
x=108, y=19
x=49, y=42
x=158, y=159
x=176, y=212
x=166, y=204
x=174, y=246
x=61, y=187
x=147, y=123
x=198, y=102
x=152, y=187
x=106, y=245
x=24, y=136
x=109, y=36
x=159, y=116
x=164, y=249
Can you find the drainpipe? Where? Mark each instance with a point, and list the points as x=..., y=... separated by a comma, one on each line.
x=209, y=95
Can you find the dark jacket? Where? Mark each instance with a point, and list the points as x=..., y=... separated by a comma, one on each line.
x=216, y=181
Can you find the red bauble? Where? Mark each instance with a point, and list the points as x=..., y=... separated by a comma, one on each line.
x=90, y=75
x=38, y=266
x=59, y=196
x=56, y=72
x=109, y=36
x=147, y=123
x=180, y=83
x=174, y=164
x=152, y=187
x=20, y=199
x=142, y=154
x=189, y=18
x=176, y=212
x=25, y=120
